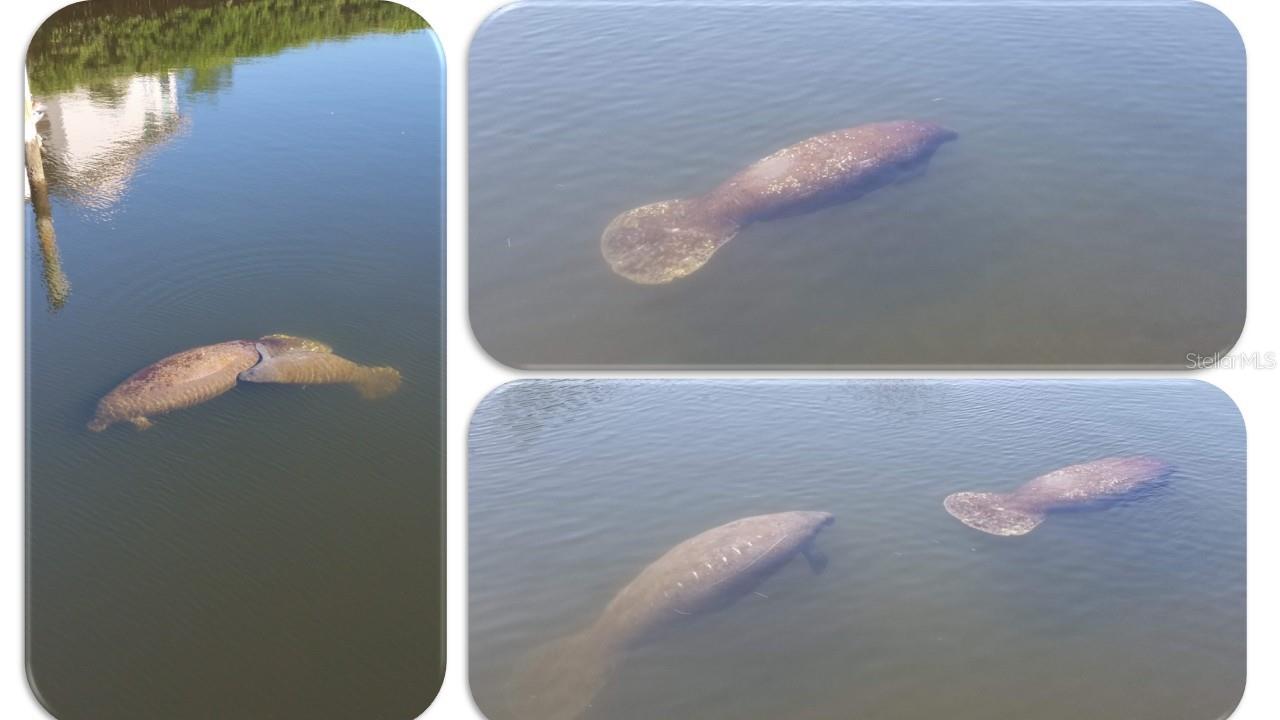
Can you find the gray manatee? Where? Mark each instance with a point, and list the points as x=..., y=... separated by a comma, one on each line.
x=667, y=240
x=187, y=378
x=1021, y=511
x=705, y=573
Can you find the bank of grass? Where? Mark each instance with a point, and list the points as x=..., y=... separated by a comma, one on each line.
x=93, y=42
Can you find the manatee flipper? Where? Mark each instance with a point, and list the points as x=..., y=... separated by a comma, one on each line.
x=140, y=422
x=560, y=679
x=992, y=513
x=817, y=559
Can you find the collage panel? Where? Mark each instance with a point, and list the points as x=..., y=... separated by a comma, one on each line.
x=235, y=361
x=816, y=184
x=982, y=550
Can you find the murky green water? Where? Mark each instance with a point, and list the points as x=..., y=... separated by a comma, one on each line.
x=1091, y=211
x=1131, y=610
x=220, y=171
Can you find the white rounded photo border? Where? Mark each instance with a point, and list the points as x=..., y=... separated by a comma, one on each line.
x=472, y=374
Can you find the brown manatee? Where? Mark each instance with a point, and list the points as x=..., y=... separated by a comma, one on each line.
x=1021, y=511
x=667, y=240
x=178, y=381
x=310, y=367
x=188, y=378
x=704, y=573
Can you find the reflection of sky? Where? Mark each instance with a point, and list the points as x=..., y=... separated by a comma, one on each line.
x=95, y=136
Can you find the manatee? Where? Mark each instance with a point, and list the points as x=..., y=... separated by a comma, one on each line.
x=189, y=378
x=705, y=573
x=661, y=242
x=1075, y=486
x=307, y=367
x=178, y=381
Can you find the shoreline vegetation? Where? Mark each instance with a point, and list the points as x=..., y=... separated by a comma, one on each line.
x=96, y=42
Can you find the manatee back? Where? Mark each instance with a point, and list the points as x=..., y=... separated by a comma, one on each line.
x=301, y=367
x=826, y=169
x=277, y=343
x=709, y=571
x=1091, y=482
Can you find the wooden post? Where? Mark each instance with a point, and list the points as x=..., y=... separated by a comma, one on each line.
x=56, y=285
x=35, y=161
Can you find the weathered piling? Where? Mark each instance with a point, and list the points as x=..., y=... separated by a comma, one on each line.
x=57, y=287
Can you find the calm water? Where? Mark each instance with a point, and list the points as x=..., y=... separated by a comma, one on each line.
x=1091, y=211
x=1134, y=610
x=274, y=553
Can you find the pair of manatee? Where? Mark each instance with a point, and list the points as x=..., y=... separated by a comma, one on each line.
x=200, y=374
x=712, y=570
x=664, y=241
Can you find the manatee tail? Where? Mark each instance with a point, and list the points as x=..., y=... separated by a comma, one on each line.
x=377, y=382
x=560, y=679
x=992, y=513
x=664, y=241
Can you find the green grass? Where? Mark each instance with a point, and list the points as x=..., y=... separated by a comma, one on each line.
x=90, y=43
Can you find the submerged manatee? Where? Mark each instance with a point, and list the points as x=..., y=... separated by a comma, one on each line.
x=704, y=573
x=1021, y=511
x=178, y=381
x=667, y=240
x=305, y=367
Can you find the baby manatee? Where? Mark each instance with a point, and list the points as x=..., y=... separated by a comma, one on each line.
x=308, y=367
x=663, y=241
x=705, y=573
x=1021, y=511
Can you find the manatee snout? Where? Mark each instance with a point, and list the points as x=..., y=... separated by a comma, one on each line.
x=821, y=519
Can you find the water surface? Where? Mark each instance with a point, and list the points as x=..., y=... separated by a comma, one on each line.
x=1136, y=609
x=1090, y=213
x=223, y=171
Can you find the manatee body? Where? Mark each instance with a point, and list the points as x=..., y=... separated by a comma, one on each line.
x=188, y=378
x=704, y=573
x=667, y=240
x=178, y=381
x=310, y=367
x=1021, y=511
